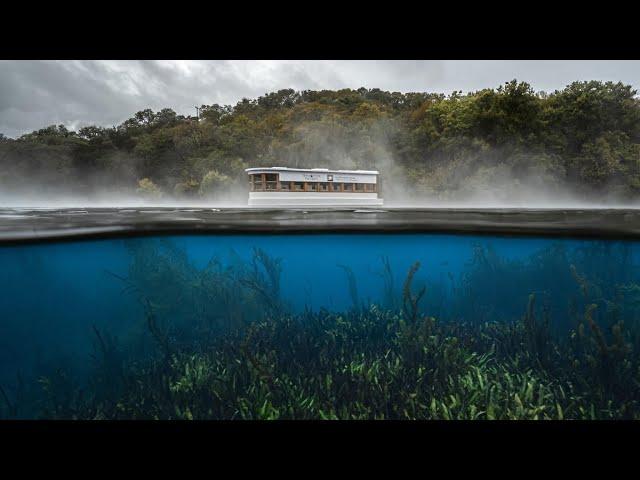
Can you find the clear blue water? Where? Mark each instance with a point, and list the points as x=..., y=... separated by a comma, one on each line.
x=53, y=295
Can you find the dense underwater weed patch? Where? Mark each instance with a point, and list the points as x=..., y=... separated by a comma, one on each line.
x=219, y=342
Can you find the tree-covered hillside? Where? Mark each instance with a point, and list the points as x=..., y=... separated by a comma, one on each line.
x=585, y=138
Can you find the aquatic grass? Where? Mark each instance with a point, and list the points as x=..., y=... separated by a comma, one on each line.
x=409, y=301
x=11, y=409
x=264, y=279
x=358, y=366
x=369, y=362
x=353, y=287
x=389, y=293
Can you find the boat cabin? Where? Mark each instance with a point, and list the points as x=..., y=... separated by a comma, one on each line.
x=312, y=187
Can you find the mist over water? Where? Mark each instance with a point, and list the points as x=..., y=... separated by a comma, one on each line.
x=499, y=197
x=443, y=187
x=491, y=189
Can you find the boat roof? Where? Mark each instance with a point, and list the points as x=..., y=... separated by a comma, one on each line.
x=327, y=170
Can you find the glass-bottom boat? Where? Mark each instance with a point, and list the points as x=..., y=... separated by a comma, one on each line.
x=312, y=187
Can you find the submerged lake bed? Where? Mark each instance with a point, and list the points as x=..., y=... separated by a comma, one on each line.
x=350, y=314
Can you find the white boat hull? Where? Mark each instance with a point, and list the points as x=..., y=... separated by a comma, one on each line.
x=313, y=199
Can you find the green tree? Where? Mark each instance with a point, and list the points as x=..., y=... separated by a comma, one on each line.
x=148, y=189
x=214, y=185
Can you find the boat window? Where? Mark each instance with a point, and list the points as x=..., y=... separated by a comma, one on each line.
x=359, y=187
x=284, y=186
x=271, y=181
x=257, y=182
x=323, y=187
x=313, y=186
x=336, y=187
x=348, y=187
x=298, y=186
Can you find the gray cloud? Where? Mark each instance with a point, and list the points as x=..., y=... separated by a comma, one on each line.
x=34, y=94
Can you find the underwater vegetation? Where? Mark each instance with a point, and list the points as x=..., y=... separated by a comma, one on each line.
x=551, y=336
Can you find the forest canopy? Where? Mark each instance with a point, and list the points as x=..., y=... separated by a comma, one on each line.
x=585, y=138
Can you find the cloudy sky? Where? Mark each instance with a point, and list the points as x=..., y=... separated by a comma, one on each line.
x=34, y=94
